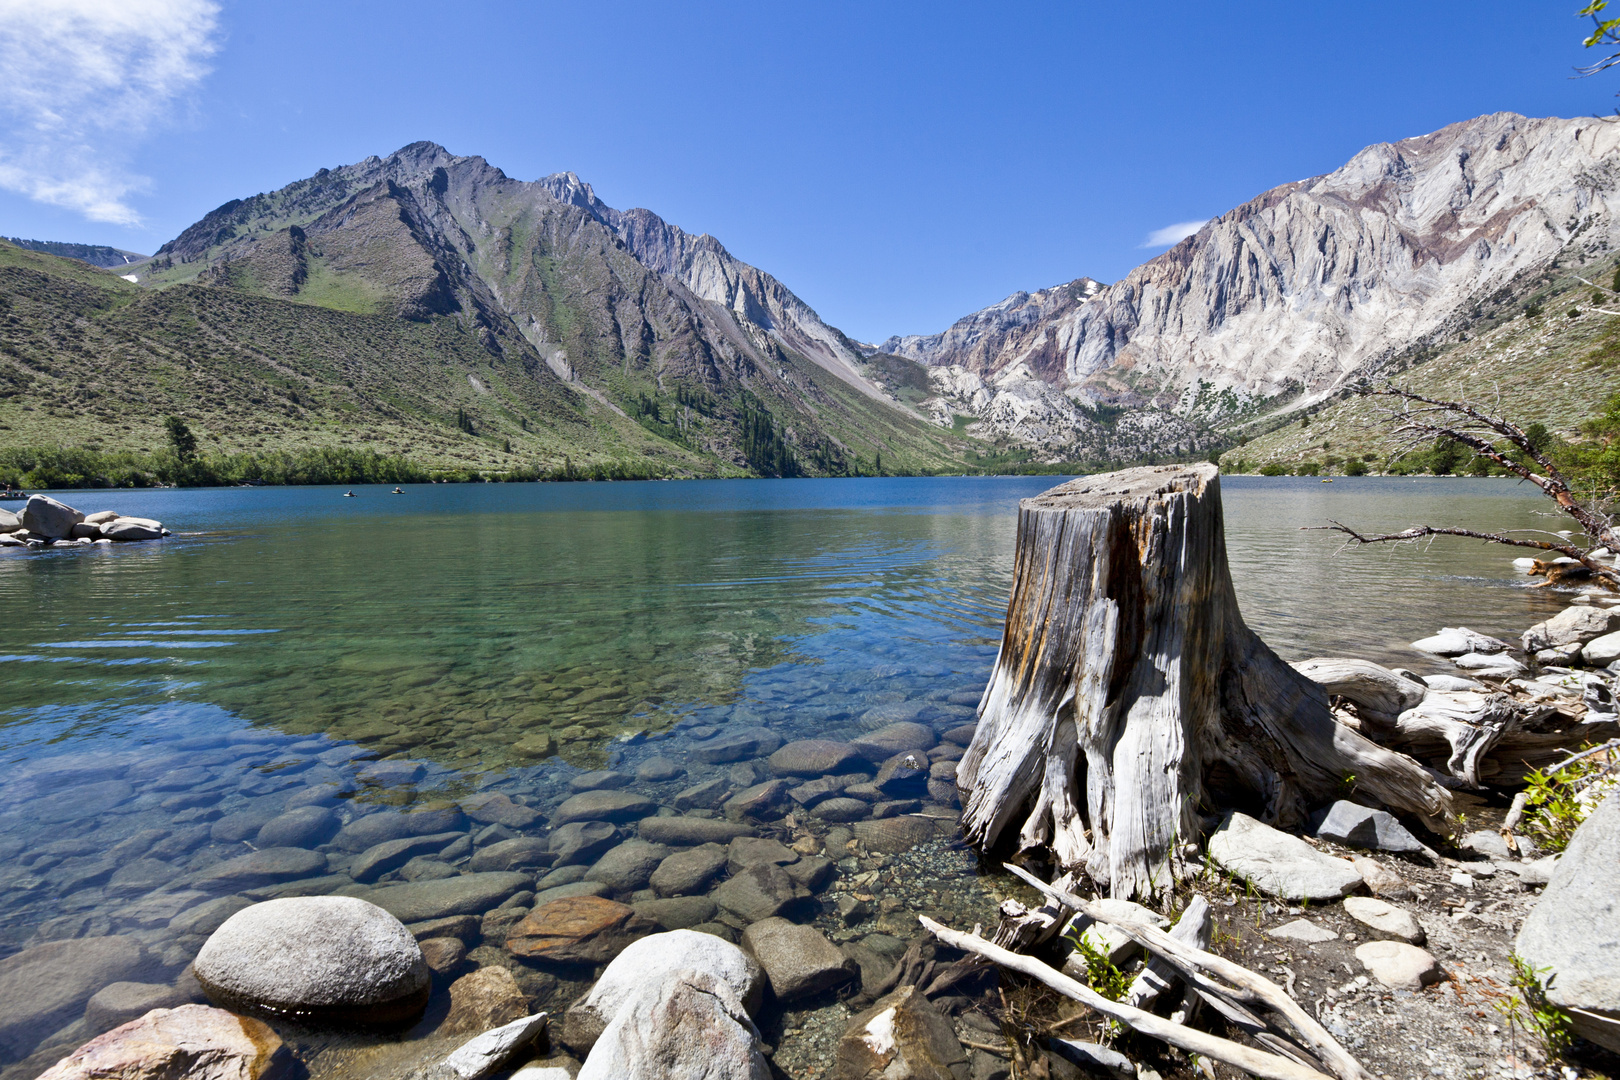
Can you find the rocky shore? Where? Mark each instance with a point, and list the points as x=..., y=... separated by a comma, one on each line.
x=46, y=523
x=721, y=902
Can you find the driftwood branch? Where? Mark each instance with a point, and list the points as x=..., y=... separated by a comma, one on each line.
x=1193, y=963
x=1601, y=570
x=1254, y=1062
x=1469, y=424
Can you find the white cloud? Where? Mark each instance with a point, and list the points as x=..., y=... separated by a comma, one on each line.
x=1172, y=234
x=82, y=82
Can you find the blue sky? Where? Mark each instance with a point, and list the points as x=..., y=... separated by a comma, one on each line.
x=897, y=165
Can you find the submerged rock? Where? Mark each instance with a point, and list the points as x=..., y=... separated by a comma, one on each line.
x=303, y=827
x=120, y=1002
x=45, y=987
x=191, y=1042
x=486, y=998
x=581, y=841
x=761, y=892
x=494, y=808
x=815, y=757
x=628, y=866
x=895, y=834
x=614, y=806
x=576, y=930
x=880, y=745
x=744, y=743
x=901, y=1036
x=331, y=959
x=462, y=895
x=689, y=871
x=682, y=831
x=797, y=959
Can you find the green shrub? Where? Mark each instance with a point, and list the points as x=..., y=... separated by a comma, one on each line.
x=1354, y=467
x=1307, y=468
x=1273, y=468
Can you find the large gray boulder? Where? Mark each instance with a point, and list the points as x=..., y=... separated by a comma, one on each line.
x=1574, y=625
x=44, y=516
x=1279, y=864
x=327, y=958
x=1574, y=929
x=132, y=529
x=649, y=959
x=679, y=1025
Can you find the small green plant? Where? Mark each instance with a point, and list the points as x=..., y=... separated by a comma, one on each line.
x=1528, y=1005
x=1531, y=310
x=1555, y=809
x=1102, y=975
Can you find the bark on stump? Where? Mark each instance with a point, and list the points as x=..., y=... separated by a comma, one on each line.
x=1129, y=697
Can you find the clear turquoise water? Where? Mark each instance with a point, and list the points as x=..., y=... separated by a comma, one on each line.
x=450, y=625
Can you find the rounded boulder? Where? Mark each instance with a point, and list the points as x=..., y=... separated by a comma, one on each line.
x=326, y=959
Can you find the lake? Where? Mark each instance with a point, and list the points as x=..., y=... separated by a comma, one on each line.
x=385, y=654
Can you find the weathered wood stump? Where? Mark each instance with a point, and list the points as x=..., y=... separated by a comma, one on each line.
x=1129, y=698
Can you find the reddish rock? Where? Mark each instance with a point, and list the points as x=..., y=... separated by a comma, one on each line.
x=190, y=1041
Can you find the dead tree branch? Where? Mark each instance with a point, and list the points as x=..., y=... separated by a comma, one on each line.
x=1468, y=424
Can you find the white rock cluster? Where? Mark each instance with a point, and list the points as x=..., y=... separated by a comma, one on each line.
x=44, y=522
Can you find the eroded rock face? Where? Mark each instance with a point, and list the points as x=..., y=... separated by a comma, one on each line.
x=902, y=1035
x=1574, y=928
x=681, y=1025
x=192, y=1042
x=1296, y=288
x=332, y=959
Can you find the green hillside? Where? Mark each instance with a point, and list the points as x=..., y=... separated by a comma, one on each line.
x=88, y=359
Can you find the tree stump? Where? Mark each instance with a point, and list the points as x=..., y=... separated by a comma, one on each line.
x=1129, y=698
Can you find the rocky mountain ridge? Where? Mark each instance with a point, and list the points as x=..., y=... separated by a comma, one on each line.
x=1302, y=291
x=621, y=307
